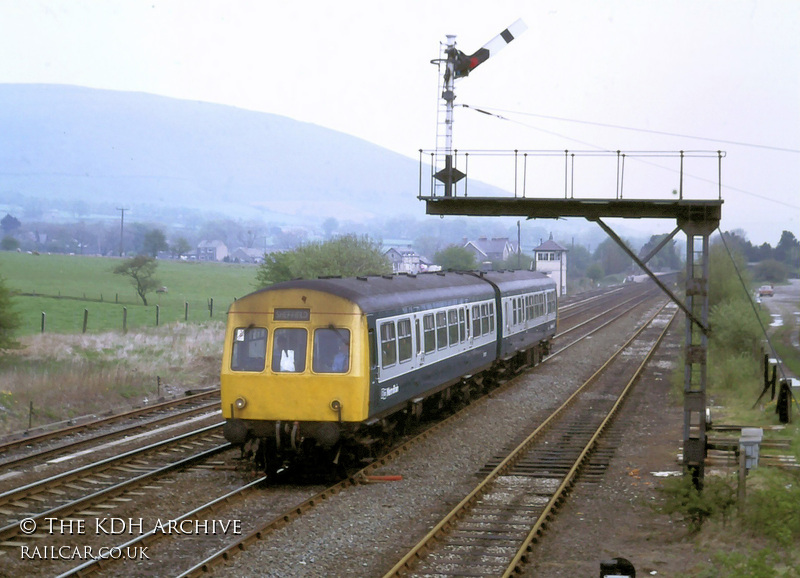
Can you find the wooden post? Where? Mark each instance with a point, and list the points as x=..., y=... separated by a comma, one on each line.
x=186, y=311
x=124, y=319
x=85, y=319
x=44, y=317
x=30, y=415
x=742, y=479
x=158, y=313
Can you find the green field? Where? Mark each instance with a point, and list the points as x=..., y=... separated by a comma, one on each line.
x=63, y=286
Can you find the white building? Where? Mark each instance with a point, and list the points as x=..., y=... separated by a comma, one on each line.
x=550, y=258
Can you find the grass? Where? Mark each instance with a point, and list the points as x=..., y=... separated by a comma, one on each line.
x=757, y=540
x=63, y=286
x=67, y=376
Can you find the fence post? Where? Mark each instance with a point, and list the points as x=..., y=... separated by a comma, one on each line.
x=158, y=312
x=124, y=319
x=186, y=311
x=211, y=307
x=30, y=415
x=44, y=317
x=85, y=319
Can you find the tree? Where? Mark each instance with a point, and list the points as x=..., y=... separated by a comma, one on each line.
x=345, y=256
x=329, y=225
x=788, y=249
x=455, y=258
x=153, y=242
x=181, y=247
x=9, y=243
x=771, y=271
x=9, y=319
x=140, y=269
x=611, y=257
x=595, y=272
x=9, y=223
x=666, y=259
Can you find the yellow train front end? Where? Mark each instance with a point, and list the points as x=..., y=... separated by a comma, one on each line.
x=295, y=371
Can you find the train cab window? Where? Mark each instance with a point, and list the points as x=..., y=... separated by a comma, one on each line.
x=388, y=344
x=429, y=333
x=404, y=340
x=441, y=330
x=289, y=350
x=249, y=349
x=331, y=351
x=452, y=326
x=476, y=321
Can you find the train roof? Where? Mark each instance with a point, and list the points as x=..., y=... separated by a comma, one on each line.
x=400, y=292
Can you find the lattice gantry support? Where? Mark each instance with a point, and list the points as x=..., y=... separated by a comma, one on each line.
x=696, y=343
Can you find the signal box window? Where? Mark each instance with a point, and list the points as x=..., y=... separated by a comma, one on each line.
x=331, y=351
x=289, y=350
x=249, y=349
x=388, y=345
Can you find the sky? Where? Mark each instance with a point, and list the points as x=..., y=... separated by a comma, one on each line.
x=590, y=75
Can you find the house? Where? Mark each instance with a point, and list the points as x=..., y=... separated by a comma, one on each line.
x=247, y=255
x=404, y=260
x=550, y=258
x=495, y=249
x=211, y=251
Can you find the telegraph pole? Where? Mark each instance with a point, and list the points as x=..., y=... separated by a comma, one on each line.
x=121, y=229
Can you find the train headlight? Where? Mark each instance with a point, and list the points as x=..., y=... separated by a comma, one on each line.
x=240, y=403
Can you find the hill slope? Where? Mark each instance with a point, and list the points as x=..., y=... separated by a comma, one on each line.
x=134, y=149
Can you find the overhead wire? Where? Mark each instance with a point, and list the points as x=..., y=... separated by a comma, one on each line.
x=650, y=131
x=488, y=112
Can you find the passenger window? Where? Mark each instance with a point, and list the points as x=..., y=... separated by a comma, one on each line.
x=491, y=317
x=484, y=318
x=476, y=321
x=418, y=336
x=289, y=350
x=404, y=339
x=452, y=326
x=462, y=326
x=429, y=332
x=331, y=351
x=249, y=349
x=388, y=345
x=441, y=330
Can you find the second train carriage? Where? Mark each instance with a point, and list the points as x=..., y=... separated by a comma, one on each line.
x=310, y=364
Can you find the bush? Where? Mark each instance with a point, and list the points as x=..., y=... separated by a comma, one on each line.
x=735, y=327
x=773, y=511
x=684, y=500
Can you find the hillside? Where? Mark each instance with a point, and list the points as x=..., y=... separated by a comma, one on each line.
x=104, y=149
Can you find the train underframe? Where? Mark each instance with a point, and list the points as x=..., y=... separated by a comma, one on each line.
x=310, y=450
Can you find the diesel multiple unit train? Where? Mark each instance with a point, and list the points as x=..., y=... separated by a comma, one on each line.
x=319, y=370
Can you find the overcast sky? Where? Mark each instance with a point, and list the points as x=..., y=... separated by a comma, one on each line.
x=727, y=71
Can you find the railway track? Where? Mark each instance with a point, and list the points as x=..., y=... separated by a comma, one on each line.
x=70, y=492
x=22, y=447
x=212, y=551
x=494, y=528
x=279, y=507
